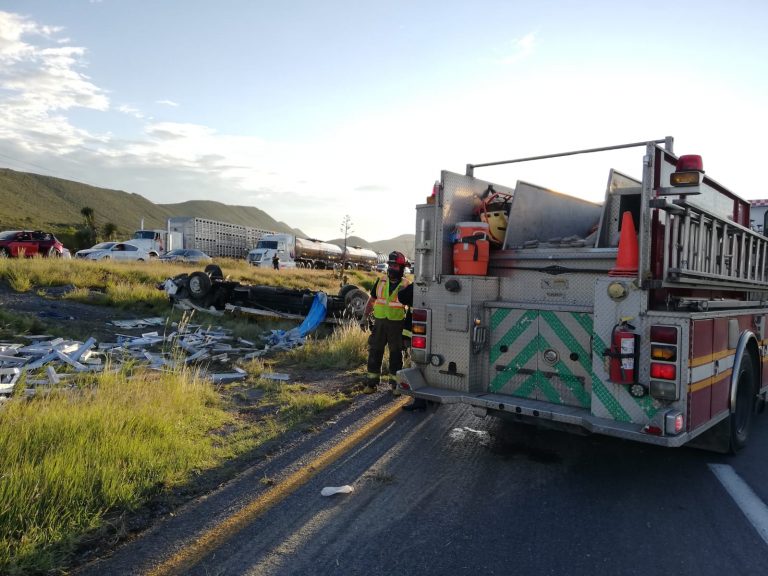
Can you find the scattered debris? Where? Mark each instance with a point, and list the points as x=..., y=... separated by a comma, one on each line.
x=276, y=376
x=331, y=490
x=47, y=361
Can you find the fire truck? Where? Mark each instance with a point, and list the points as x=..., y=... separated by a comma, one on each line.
x=642, y=317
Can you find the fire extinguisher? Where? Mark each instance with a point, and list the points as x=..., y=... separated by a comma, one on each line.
x=623, y=354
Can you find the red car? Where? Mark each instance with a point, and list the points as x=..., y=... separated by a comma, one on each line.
x=28, y=243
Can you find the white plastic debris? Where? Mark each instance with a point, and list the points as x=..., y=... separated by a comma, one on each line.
x=331, y=490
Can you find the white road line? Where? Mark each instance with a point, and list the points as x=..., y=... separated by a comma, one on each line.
x=753, y=508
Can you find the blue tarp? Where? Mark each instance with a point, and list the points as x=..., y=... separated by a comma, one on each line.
x=295, y=336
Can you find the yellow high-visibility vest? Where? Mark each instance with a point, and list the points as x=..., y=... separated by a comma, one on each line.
x=387, y=305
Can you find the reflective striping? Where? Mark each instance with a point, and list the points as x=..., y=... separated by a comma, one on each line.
x=706, y=370
x=710, y=358
x=609, y=401
x=512, y=335
x=710, y=381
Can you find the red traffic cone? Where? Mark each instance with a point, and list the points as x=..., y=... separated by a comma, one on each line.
x=626, y=260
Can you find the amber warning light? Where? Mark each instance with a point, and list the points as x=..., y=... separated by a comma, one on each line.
x=688, y=171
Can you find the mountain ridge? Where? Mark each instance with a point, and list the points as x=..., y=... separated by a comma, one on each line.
x=57, y=205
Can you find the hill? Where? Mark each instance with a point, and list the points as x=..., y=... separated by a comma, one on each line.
x=34, y=201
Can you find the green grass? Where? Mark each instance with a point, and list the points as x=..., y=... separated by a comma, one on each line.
x=74, y=455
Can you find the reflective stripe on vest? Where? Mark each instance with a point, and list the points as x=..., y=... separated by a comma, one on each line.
x=387, y=305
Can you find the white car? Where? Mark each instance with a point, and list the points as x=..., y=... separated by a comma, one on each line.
x=115, y=251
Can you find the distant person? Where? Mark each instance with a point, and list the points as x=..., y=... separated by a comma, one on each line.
x=275, y=262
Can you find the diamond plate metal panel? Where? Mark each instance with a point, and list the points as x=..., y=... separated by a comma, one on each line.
x=610, y=400
x=463, y=369
x=555, y=277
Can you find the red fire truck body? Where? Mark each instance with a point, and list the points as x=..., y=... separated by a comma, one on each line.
x=643, y=317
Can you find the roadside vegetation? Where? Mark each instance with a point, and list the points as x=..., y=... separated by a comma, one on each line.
x=75, y=461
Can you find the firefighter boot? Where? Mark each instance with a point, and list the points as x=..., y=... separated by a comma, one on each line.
x=371, y=383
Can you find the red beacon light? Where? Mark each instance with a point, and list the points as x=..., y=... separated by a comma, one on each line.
x=688, y=173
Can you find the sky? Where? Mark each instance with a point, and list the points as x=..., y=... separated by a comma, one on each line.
x=313, y=111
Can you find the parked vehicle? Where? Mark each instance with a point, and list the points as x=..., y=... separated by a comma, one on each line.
x=100, y=247
x=184, y=255
x=644, y=317
x=28, y=243
x=381, y=267
x=116, y=251
x=217, y=239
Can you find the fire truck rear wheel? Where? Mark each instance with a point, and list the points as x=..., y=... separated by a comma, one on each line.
x=741, y=418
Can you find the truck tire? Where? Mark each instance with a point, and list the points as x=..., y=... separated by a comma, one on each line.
x=4, y=253
x=354, y=303
x=741, y=417
x=198, y=284
x=214, y=272
x=346, y=289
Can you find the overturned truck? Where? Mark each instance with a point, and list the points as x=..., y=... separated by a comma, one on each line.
x=209, y=288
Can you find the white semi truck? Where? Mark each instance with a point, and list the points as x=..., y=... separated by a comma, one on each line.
x=644, y=317
x=294, y=252
x=217, y=239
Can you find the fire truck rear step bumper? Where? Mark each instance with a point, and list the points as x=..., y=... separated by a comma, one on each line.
x=532, y=411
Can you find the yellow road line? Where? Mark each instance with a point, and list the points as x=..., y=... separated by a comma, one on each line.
x=211, y=539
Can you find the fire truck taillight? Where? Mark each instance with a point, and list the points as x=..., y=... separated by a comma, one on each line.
x=664, y=358
x=664, y=371
x=420, y=346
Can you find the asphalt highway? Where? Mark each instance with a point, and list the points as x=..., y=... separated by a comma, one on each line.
x=444, y=492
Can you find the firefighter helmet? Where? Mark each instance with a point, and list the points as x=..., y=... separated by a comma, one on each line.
x=396, y=265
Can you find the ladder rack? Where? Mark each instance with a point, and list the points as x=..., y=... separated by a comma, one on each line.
x=707, y=250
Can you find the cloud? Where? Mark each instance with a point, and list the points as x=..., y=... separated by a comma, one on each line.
x=40, y=83
x=522, y=48
x=167, y=103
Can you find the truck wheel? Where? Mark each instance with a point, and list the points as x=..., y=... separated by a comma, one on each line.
x=354, y=303
x=214, y=272
x=741, y=417
x=4, y=253
x=199, y=284
x=346, y=289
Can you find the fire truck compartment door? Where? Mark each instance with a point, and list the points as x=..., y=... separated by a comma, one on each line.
x=541, y=355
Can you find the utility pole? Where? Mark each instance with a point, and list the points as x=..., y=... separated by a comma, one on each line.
x=346, y=229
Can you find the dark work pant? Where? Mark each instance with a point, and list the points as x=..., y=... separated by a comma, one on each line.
x=385, y=333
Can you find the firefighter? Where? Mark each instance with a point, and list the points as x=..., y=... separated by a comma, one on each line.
x=389, y=313
x=276, y=262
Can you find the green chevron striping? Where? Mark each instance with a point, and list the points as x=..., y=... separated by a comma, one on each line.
x=526, y=388
x=571, y=381
x=610, y=403
x=569, y=339
x=499, y=315
x=585, y=320
x=574, y=384
x=502, y=378
x=512, y=334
